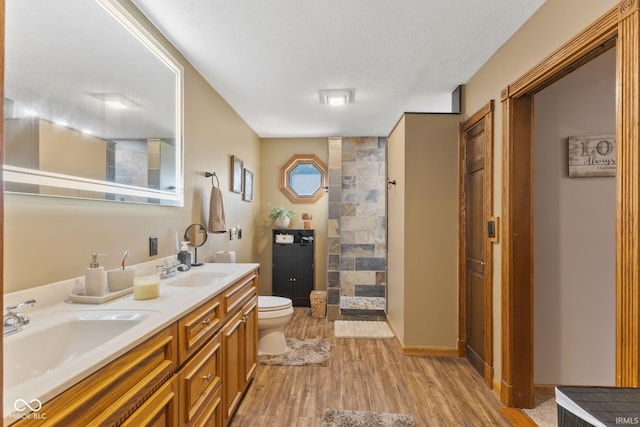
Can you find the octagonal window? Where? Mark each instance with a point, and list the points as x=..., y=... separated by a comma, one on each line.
x=303, y=178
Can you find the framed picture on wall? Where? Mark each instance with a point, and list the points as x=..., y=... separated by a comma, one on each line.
x=248, y=186
x=236, y=174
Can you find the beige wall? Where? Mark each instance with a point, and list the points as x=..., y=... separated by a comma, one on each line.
x=51, y=239
x=395, y=229
x=425, y=226
x=551, y=26
x=274, y=152
x=574, y=261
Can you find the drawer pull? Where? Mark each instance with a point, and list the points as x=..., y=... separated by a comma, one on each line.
x=207, y=377
x=206, y=322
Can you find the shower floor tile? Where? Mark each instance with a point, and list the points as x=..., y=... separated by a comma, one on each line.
x=362, y=305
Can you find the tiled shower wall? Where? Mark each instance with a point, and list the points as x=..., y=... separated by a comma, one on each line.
x=357, y=227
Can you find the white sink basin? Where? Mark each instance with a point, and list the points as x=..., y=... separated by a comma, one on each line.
x=53, y=339
x=198, y=278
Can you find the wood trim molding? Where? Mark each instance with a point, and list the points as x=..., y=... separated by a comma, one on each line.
x=628, y=197
x=517, y=418
x=495, y=386
x=569, y=56
x=410, y=350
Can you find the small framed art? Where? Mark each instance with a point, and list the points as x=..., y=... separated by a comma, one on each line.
x=248, y=186
x=236, y=174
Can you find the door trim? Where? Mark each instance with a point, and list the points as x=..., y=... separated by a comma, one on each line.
x=620, y=27
x=484, y=114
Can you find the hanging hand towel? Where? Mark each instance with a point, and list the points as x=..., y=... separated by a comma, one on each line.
x=216, y=212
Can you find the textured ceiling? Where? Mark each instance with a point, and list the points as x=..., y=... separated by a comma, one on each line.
x=268, y=59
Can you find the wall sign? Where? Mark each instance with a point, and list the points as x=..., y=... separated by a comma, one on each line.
x=592, y=156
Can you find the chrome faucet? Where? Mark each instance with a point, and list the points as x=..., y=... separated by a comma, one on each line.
x=14, y=320
x=168, y=270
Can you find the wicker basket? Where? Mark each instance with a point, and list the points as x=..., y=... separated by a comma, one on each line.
x=318, y=304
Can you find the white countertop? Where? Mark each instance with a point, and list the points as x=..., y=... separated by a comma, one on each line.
x=173, y=303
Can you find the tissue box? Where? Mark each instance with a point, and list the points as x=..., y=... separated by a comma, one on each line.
x=284, y=238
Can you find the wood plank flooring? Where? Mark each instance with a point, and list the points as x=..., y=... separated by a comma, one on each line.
x=367, y=375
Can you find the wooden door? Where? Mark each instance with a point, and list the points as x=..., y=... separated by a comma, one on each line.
x=475, y=256
x=476, y=181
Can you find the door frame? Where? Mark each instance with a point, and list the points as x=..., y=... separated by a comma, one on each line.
x=620, y=27
x=484, y=114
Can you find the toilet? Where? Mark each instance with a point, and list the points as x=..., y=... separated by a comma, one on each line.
x=273, y=314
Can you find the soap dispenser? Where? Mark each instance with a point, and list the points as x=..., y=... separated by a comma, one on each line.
x=184, y=256
x=94, y=278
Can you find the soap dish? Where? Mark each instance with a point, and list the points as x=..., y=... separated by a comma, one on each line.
x=86, y=299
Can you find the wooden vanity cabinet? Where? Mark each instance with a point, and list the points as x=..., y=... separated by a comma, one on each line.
x=192, y=373
x=117, y=391
x=213, y=381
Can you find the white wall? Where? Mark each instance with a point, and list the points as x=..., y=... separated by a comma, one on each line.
x=574, y=234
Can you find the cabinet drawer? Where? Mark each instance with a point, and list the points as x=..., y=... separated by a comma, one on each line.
x=161, y=409
x=197, y=327
x=212, y=414
x=239, y=293
x=199, y=380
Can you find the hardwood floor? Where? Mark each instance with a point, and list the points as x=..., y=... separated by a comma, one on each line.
x=367, y=375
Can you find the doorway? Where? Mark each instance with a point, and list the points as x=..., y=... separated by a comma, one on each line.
x=574, y=230
x=620, y=27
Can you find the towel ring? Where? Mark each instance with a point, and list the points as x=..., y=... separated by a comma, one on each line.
x=212, y=175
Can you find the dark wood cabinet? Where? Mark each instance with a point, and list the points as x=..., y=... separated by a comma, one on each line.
x=293, y=265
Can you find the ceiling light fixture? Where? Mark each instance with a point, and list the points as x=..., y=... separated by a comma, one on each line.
x=116, y=101
x=337, y=96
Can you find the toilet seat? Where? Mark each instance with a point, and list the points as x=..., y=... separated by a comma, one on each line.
x=270, y=303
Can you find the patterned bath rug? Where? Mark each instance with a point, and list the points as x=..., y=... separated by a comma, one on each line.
x=361, y=329
x=309, y=352
x=334, y=418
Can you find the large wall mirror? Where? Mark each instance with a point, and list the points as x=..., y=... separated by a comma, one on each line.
x=93, y=104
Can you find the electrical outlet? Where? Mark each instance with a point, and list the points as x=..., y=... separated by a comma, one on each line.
x=153, y=246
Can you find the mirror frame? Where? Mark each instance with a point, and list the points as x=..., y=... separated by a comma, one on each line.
x=166, y=198
x=290, y=165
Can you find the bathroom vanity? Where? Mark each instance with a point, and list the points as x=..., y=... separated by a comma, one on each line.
x=293, y=265
x=187, y=364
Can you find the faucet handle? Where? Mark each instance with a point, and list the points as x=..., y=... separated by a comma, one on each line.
x=27, y=303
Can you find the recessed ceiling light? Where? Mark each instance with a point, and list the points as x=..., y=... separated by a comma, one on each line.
x=117, y=101
x=337, y=96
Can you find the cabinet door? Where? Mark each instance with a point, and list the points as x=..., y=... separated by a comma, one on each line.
x=304, y=275
x=283, y=260
x=232, y=367
x=160, y=410
x=250, y=312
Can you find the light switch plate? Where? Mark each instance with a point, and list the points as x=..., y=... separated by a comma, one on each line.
x=153, y=246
